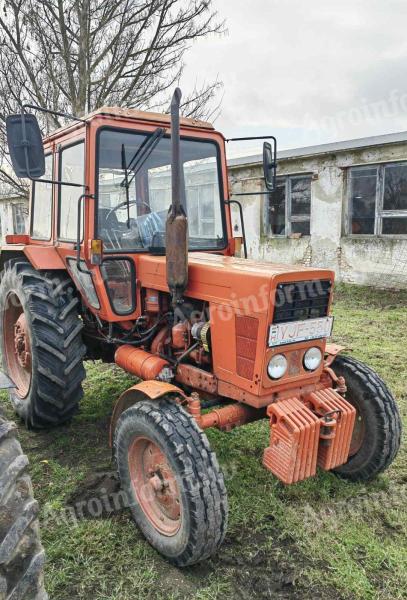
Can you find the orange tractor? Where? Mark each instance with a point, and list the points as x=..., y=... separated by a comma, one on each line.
x=131, y=259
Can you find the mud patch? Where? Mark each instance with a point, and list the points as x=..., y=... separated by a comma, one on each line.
x=272, y=572
x=98, y=496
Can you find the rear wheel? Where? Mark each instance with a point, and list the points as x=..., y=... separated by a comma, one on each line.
x=172, y=480
x=41, y=343
x=377, y=432
x=21, y=554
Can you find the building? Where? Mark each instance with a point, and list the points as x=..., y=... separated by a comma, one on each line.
x=13, y=215
x=341, y=206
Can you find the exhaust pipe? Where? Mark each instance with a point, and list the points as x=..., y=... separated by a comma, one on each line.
x=176, y=230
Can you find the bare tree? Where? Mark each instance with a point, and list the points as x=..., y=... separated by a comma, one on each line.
x=77, y=55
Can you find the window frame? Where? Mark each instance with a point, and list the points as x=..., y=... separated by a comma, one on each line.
x=167, y=135
x=43, y=239
x=380, y=213
x=61, y=149
x=132, y=281
x=289, y=217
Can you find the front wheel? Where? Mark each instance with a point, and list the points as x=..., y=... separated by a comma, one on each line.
x=172, y=480
x=377, y=432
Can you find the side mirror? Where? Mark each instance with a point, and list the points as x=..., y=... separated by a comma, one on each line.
x=25, y=145
x=270, y=164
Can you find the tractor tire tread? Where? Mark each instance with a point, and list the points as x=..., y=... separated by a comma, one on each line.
x=21, y=554
x=56, y=333
x=388, y=430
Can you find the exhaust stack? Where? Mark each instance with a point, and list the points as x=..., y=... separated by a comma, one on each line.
x=176, y=230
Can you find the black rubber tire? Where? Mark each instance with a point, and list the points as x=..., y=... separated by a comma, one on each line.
x=21, y=554
x=51, y=310
x=381, y=419
x=199, y=478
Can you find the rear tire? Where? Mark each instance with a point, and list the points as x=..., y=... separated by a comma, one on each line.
x=377, y=432
x=172, y=480
x=41, y=343
x=21, y=554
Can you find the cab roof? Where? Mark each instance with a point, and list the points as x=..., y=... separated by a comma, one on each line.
x=132, y=114
x=140, y=115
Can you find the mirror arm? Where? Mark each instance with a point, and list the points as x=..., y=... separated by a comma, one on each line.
x=78, y=233
x=238, y=204
x=54, y=112
x=246, y=139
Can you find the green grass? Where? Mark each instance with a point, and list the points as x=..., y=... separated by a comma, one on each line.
x=320, y=538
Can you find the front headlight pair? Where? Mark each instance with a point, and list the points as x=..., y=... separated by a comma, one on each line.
x=278, y=364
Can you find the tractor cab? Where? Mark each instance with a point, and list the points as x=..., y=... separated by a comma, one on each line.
x=100, y=193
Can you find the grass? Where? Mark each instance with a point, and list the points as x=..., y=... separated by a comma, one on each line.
x=320, y=538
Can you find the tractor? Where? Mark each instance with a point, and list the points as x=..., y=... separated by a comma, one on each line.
x=130, y=259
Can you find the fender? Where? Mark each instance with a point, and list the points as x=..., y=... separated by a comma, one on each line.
x=332, y=351
x=145, y=390
x=40, y=257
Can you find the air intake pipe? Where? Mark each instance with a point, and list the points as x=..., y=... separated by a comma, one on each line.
x=177, y=221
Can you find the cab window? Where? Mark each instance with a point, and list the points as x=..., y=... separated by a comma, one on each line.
x=41, y=221
x=72, y=170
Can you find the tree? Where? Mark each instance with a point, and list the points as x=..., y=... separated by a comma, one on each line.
x=77, y=55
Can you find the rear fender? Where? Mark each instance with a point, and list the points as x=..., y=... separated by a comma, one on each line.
x=42, y=258
x=145, y=390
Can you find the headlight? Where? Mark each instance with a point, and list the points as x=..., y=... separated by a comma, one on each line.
x=277, y=366
x=312, y=359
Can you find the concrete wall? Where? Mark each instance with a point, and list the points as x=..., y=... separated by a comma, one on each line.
x=374, y=260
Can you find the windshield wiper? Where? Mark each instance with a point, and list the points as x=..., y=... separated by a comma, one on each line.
x=137, y=162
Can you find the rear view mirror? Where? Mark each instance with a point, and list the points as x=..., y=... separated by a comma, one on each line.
x=25, y=145
x=270, y=164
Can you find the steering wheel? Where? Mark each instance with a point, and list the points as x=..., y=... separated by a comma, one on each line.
x=123, y=204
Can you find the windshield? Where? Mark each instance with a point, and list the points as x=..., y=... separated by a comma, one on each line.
x=134, y=191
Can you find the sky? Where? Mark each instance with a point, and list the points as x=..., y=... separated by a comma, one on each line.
x=309, y=72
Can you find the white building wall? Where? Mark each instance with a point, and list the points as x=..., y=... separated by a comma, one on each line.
x=368, y=260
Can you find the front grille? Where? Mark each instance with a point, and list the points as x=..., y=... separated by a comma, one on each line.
x=302, y=300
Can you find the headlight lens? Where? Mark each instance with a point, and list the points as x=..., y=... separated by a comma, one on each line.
x=277, y=366
x=312, y=359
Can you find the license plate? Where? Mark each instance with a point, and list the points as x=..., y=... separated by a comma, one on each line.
x=300, y=331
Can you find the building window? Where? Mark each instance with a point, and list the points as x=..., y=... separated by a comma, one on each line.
x=20, y=213
x=289, y=206
x=378, y=200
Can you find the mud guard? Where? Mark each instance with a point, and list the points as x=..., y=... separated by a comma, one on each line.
x=40, y=257
x=332, y=351
x=145, y=390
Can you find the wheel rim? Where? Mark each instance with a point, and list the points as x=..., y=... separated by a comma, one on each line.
x=358, y=434
x=17, y=345
x=155, y=485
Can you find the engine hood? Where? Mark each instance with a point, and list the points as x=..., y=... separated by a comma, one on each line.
x=225, y=279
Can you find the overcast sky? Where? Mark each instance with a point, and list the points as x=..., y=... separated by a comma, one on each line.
x=309, y=72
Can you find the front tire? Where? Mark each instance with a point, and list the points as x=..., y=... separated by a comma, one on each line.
x=41, y=344
x=172, y=480
x=377, y=432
